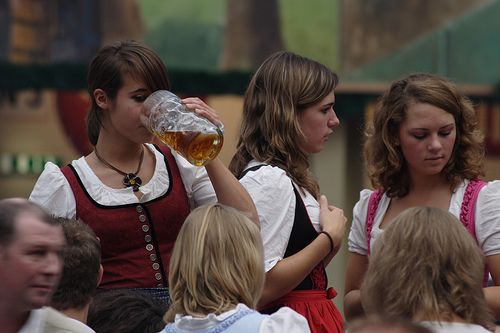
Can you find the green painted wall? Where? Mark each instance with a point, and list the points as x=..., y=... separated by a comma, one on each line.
x=466, y=50
x=312, y=28
x=189, y=34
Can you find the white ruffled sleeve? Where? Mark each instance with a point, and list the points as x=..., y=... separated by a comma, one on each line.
x=284, y=320
x=487, y=218
x=357, y=241
x=53, y=192
x=199, y=188
x=272, y=192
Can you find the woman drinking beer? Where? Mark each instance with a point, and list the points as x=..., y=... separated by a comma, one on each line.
x=134, y=195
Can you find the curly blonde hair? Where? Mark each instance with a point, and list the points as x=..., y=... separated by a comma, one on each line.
x=217, y=262
x=426, y=266
x=281, y=88
x=385, y=162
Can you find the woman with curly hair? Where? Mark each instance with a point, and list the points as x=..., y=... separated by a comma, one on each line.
x=426, y=268
x=424, y=149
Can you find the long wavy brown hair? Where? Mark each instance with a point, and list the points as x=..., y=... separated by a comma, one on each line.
x=426, y=266
x=384, y=159
x=281, y=88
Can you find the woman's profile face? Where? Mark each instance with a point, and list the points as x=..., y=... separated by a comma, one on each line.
x=427, y=137
x=317, y=123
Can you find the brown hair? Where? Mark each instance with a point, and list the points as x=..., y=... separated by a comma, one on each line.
x=125, y=311
x=376, y=324
x=82, y=262
x=385, y=161
x=281, y=88
x=426, y=266
x=106, y=72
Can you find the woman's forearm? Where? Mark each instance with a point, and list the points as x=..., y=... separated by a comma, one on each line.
x=229, y=190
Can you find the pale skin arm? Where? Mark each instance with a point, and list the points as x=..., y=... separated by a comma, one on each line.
x=356, y=269
x=290, y=271
x=337, y=243
x=228, y=189
x=492, y=294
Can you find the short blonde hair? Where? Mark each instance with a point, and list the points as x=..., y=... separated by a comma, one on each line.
x=217, y=262
x=426, y=266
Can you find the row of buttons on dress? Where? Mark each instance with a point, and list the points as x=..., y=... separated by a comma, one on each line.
x=149, y=247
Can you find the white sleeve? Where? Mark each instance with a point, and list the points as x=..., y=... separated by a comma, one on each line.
x=487, y=218
x=272, y=192
x=284, y=320
x=198, y=186
x=53, y=192
x=357, y=241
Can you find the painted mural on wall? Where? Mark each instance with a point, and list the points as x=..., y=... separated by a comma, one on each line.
x=376, y=28
x=489, y=122
x=40, y=123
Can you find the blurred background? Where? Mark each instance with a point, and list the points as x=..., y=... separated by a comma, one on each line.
x=211, y=49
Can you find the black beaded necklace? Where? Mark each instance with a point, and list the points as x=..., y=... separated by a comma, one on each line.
x=130, y=179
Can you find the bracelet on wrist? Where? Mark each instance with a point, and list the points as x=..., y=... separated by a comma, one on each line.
x=332, y=246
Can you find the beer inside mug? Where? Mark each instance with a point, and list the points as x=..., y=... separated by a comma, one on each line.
x=193, y=137
x=196, y=147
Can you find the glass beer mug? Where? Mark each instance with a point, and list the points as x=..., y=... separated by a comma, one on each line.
x=192, y=136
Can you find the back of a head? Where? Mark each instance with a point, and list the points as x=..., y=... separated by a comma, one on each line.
x=374, y=324
x=11, y=209
x=125, y=311
x=82, y=262
x=426, y=266
x=217, y=262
